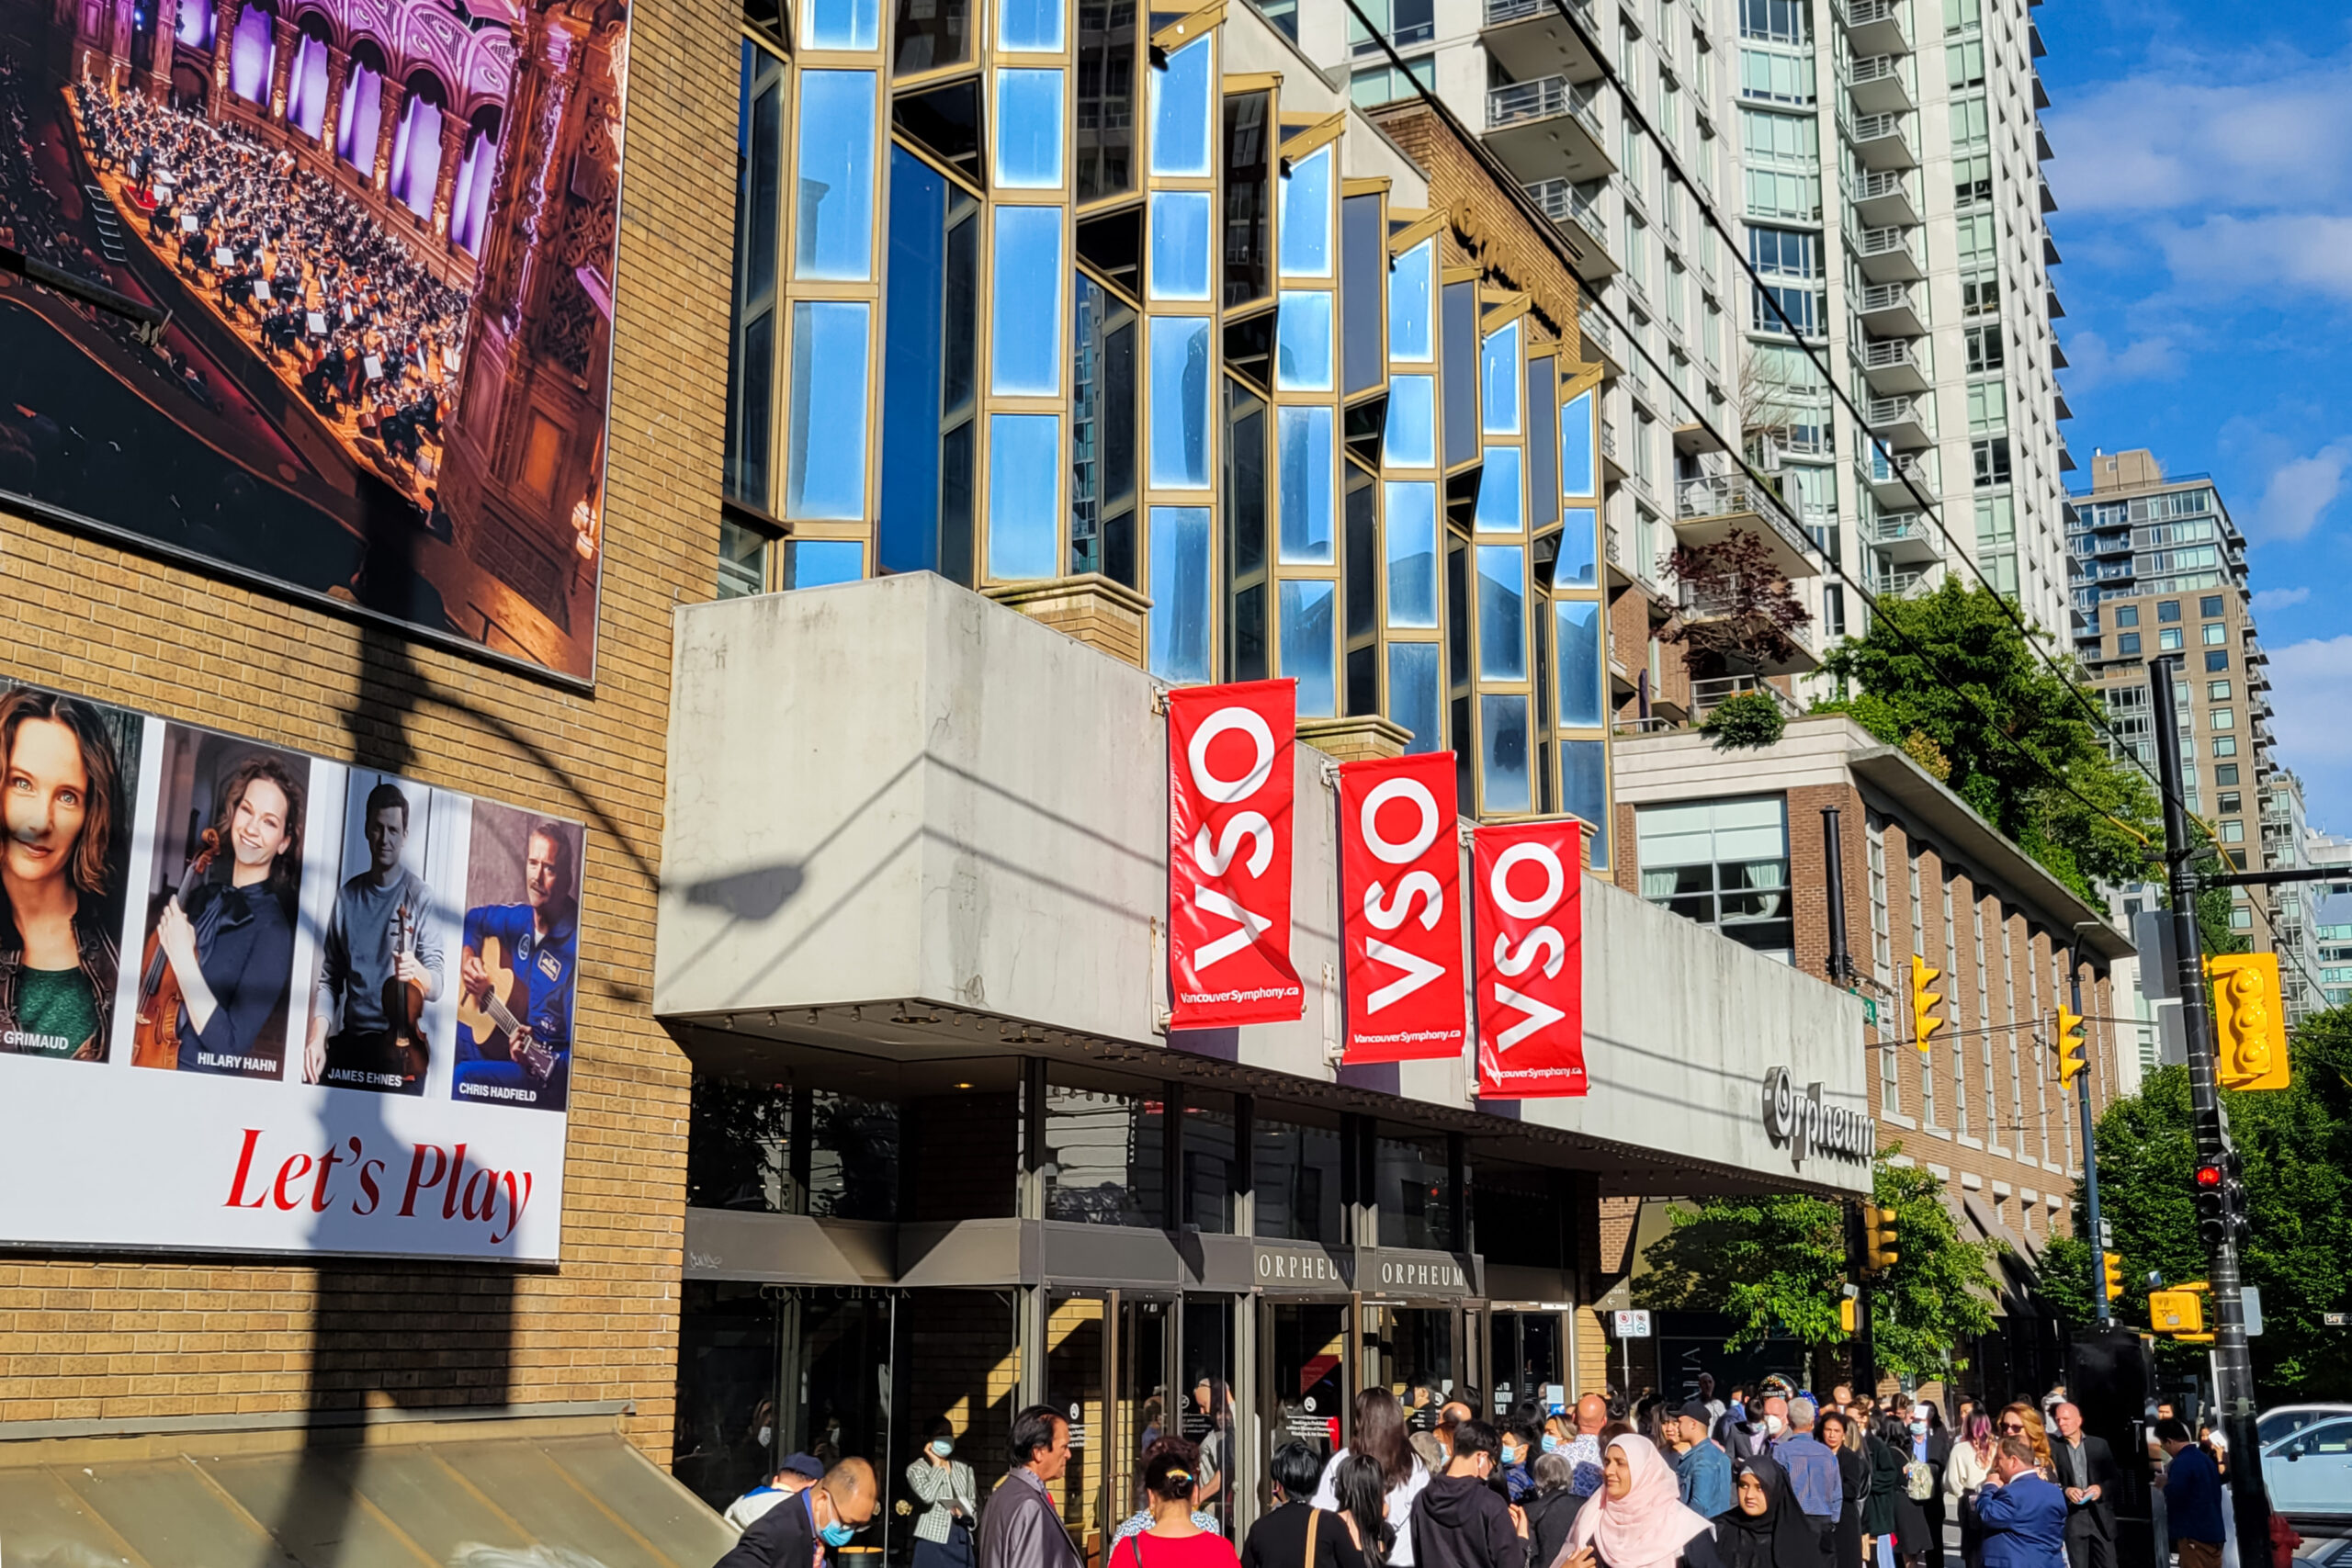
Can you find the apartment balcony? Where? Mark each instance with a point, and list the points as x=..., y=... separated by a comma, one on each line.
x=1531, y=40
x=1882, y=199
x=1880, y=140
x=1891, y=480
x=1600, y=339
x=1611, y=466
x=1893, y=365
x=1887, y=256
x=1902, y=583
x=1891, y=310
x=1710, y=693
x=1874, y=26
x=1708, y=510
x=1571, y=208
x=1794, y=655
x=1548, y=129
x=1877, y=86
x=1898, y=423
x=1904, y=538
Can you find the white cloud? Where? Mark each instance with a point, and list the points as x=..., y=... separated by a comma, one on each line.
x=2298, y=251
x=2092, y=364
x=2268, y=599
x=2300, y=491
x=2192, y=139
x=2308, y=679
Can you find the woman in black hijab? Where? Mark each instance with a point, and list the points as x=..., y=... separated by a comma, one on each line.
x=1853, y=1485
x=1764, y=1527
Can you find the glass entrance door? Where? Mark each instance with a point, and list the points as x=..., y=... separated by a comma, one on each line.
x=1206, y=1389
x=1146, y=1406
x=1406, y=1347
x=1305, y=1375
x=1526, y=1362
x=1077, y=1367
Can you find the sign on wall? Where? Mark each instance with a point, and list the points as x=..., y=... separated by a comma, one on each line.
x=386, y=234
x=1529, y=926
x=1229, y=789
x=1400, y=908
x=255, y=1000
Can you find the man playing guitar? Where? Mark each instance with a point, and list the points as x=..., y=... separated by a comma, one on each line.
x=514, y=1032
x=379, y=937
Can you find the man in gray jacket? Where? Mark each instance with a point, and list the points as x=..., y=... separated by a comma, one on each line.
x=1019, y=1527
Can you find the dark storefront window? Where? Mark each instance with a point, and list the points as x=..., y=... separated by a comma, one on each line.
x=1102, y=1157
x=854, y=1157
x=1415, y=1192
x=724, y=1443
x=1295, y=1173
x=1208, y=1156
x=1516, y=1217
x=739, y=1144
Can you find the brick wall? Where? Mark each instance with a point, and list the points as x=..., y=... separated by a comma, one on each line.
x=84, y=1337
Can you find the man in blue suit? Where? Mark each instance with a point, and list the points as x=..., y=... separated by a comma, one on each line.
x=2023, y=1516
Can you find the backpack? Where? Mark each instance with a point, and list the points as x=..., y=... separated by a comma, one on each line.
x=1919, y=1480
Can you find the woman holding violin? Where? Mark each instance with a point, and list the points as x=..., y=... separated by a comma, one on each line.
x=229, y=942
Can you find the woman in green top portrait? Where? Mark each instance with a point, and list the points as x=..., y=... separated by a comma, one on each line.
x=60, y=792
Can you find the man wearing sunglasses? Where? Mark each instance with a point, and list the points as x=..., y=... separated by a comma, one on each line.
x=796, y=1532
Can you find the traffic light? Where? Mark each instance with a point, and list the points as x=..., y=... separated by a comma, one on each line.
x=1924, y=1002
x=2249, y=1021
x=2071, y=1043
x=1849, y=1315
x=2221, y=1198
x=2177, y=1311
x=2112, y=1263
x=1878, y=1238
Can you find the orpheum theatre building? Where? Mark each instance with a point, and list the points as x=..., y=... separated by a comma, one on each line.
x=570, y=926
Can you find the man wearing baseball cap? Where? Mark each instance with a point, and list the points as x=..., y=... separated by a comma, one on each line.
x=796, y=1474
x=1700, y=1461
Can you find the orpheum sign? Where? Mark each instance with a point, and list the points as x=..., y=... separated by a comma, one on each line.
x=1800, y=1119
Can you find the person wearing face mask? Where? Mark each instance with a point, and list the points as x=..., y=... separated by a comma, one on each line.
x=796, y=1474
x=1515, y=1473
x=1459, y=1520
x=944, y=1533
x=1929, y=1451
x=797, y=1530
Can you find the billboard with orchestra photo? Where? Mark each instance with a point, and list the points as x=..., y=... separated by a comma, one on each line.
x=385, y=231
x=331, y=1008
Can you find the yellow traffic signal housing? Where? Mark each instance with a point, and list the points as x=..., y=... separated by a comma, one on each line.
x=2112, y=1263
x=2177, y=1311
x=1849, y=1317
x=2249, y=1021
x=1924, y=1002
x=2071, y=1043
x=1878, y=1238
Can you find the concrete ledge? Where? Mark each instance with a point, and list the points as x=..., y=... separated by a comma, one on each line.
x=1095, y=609
x=601, y=1411
x=1354, y=739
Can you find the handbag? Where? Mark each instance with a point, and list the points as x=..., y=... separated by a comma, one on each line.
x=1314, y=1518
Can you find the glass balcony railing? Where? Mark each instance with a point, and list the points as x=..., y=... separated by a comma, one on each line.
x=1547, y=97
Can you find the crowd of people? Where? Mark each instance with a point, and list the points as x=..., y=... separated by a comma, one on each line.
x=1772, y=1478
x=299, y=267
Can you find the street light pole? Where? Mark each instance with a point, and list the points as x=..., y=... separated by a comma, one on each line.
x=2233, y=1367
x=2090, y=1150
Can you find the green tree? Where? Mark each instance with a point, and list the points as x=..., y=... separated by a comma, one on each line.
x=1779, y=1261
x=1949, y=675
x=2296, y=1143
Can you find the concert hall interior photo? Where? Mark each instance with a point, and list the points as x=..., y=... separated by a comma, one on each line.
x=384, y=230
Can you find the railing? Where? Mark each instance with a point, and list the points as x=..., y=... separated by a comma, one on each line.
x=1900, y=584
x=1891, y=240
x=1501, y=11
x=1563, y=203
x=1716, y=690
x=1875, y=68
x=1884, y=412
x=1595, y=331
x=1889, y=354
x=1866, y=13
x=1896, y=527
x=1719, y=495
x=1883, y=469
x=1864, y=127
x=1885, y=296
x=1608, y=440
x=1876, y=183
x=1547, y=97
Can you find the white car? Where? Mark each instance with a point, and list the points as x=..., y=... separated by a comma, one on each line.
x=2309, y=1472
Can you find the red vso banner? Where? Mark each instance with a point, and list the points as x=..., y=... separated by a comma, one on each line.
x=1229, y=792
x=1530, y=925
x=1400, y=908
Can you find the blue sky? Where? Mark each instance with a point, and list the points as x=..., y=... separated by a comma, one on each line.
x=2204, y=181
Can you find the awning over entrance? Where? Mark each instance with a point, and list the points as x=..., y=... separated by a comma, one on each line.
x=404, y=1494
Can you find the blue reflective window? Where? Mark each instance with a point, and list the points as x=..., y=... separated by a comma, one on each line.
x=833, y=216
x=1584, y=791
x=1498, y=374
x=1305, y=231
x=1501, y=501
x=826, y=459
x=1304, y=452
x=1584, y=662
x=1307, y=645
x=1030, y=27
x=1180, y=141
x=1179, y=244
x=1026, y=334
x=1179, y=593
x=1502, y=612
x=1025, y=495
x=1579, y=548
x=843, y=24
x=1412, y=691
x=1412, y=555
x=1302, y=341
x=817, y=563
x=1180, y=403
x=1029, y=130
x=1502, y=743
x=1577, y=476
x=1411, y=439
x=1412, y=284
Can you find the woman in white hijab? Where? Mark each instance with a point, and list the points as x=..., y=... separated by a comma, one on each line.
x=1637, y=1519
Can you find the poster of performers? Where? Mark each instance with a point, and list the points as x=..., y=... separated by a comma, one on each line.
x=385, y=231
x=331, y=1007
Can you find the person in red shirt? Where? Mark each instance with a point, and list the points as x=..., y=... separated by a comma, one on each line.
x=1171, y=1488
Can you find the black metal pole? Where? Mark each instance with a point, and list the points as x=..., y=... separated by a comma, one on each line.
x=1842, y=962
x=2090, y=1149
x=2232, y=1367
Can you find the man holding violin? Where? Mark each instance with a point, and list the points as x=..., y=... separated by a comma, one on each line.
x=380, y=964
